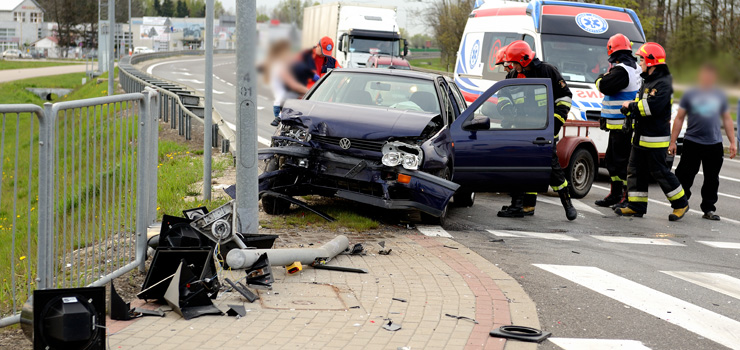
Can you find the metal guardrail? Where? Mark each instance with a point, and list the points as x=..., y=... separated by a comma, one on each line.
x=83, y=191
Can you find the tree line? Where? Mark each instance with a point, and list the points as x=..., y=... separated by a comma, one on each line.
x=692, y=31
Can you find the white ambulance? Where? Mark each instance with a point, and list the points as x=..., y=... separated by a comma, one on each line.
x=569, y=35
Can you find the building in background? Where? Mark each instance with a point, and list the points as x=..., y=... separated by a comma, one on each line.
x=20, y=23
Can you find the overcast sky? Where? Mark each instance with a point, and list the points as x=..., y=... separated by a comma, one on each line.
x=406, y=19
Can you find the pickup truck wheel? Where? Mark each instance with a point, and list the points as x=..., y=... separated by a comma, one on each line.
x=580, y=173
x=272, y=205
x=464, y=198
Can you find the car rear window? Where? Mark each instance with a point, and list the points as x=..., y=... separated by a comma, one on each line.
x=378, y=90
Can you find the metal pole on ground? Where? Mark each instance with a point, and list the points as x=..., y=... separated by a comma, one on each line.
x=112, y=45
x=130, y=35
x=246, y=118
x=208, y=121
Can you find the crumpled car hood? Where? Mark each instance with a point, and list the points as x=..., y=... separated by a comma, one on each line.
x=354, y=121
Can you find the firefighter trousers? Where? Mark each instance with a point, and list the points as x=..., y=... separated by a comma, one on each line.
x=647, y=162
x=618, y=156
x=557, y=180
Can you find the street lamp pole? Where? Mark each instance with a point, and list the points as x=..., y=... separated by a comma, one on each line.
x=111, y=45
x=207, y=120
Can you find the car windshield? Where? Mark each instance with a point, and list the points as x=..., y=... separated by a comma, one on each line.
x=378, y=90
x=579, y=59
x=374, y=46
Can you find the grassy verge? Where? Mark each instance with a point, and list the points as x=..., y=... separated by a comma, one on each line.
x=346, y=214
x=10, y=64
x=429, y=63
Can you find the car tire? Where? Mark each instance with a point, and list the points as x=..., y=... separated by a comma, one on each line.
x=464, y=198
x=580, y=173
x=272, y=205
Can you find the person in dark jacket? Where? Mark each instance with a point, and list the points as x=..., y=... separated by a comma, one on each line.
x=651, y=113
x=619, y=85
x=520, y=55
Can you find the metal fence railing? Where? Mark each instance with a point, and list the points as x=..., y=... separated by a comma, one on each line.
x=78, y=192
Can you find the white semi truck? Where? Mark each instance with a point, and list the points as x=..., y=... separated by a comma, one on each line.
x=358, y=31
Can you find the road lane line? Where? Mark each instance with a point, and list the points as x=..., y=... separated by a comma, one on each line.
x=703, y=322
x=433, y=231
x=736, y=222
x=576, y=203
x=600, y=344
x=637, y=240
x=194, y=81
x=723, y=245
x=540, y=235
x=260, y=139
x=151, y=68
x=717, y=282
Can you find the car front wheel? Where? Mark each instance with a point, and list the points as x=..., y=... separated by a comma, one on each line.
x=580, y=173
x=273, y=205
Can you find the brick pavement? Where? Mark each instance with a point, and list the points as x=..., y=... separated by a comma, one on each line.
x=319, y=309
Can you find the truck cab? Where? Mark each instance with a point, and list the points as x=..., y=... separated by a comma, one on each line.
x=569, y=35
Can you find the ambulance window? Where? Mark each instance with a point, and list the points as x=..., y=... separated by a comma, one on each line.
x=529, y=40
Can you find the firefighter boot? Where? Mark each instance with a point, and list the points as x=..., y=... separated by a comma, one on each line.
x=677, y=214
x=570, y=211
x=614, y=197
x=622, y=202
x=515, y=210
x=627, y=211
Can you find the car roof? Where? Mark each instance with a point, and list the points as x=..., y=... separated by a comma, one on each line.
x=395, y=72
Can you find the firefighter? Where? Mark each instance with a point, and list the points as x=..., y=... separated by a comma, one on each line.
x=501, y=59
x=619, y=85
x=651, y=114
x=520, y=55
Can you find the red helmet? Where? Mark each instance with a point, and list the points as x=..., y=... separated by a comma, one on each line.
x=652, y=53
x=618, y=42
x=501, y=55
x=520, y=52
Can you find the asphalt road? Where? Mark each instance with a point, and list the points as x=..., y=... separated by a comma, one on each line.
x=601, y=281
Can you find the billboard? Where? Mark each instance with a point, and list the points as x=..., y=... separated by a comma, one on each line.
x=155, y=28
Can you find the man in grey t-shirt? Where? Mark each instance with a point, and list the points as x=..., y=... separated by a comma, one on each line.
x=706, y=107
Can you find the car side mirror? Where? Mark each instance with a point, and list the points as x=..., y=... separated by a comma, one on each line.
x=477, y=123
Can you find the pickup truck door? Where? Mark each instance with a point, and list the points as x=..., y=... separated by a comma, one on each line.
x=503, y=142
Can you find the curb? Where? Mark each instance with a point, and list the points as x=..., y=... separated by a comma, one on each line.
x=500, y=300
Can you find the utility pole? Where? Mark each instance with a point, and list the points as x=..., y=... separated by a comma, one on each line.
x=246, y=220
x=112, y=45
x=130, y=33
x=208, y=121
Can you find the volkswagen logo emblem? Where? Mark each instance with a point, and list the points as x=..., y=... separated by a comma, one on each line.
x=345, y=143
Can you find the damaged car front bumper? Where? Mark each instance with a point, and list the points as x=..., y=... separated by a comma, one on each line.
x=300, y=170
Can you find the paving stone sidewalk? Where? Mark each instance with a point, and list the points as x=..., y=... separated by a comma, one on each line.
x=319, y=309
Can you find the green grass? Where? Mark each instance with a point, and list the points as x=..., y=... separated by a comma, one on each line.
x=429, y=63
x=346, y=214
x=15, y=91
x=10, y=64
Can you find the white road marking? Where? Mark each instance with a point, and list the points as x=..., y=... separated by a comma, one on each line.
x=260, y=139
x=195, y=81
x=226, y=103
x=576, y=203
x=723, y=245
x=637, y=240
x=229, y=84
x=541, y=235
x=703, y=322
x=266, y=98
x=260, y=108
x=598, y=344
x=736, y=222
x=717, y=282
x=151, y=68
x=433, y=231
x=183, y=73
x=214, y=91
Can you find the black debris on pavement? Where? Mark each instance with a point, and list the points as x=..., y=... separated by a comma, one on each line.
x=357, y=249
x=521, y=333
x=451, y=247
x=399, y=299
x=391, y=326
x=462, y=318
x=147, y=312
x=236, y=310
x=496, y=240
x=119, y=309
x=187, y=295
x=243, y=290
x=338, y=268
x=259, y=275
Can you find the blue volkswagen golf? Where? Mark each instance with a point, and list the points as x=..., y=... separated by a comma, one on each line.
x=406, y=140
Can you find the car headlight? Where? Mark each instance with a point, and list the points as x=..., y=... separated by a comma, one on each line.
x=397, y=153
x=296, y=133
x=392, y=159
x=411, y=162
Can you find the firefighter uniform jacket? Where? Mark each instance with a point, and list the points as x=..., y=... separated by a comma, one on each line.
x=619, y=85
x=561, y=92
x=651, y=111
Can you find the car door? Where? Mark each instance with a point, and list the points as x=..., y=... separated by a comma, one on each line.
x=503, y=141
